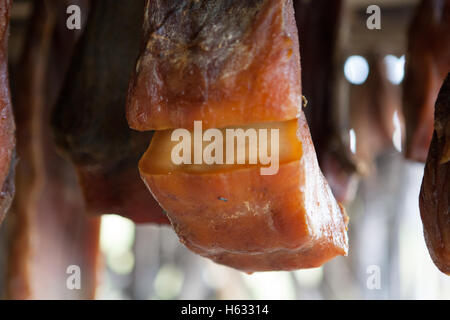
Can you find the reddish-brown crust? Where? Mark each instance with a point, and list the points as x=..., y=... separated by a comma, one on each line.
x=131, y=199
x=435, y=192
x=427, y=65
x=252, y=222
x=222, y=62
x=7, y=127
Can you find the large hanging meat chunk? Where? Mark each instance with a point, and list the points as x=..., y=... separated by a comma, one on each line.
x=90, y=118
x=230, y=212
x=435, y=191
x=215, y=61
x=427, y=65
x=7, y=128
x=50, y=234
x=252, y=222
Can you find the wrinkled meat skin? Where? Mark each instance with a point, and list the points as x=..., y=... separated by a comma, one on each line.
x=434, y=197
x=50, y=230
x=7, y=192
x=320, y=19
x=7, y=127
x=427, y=65
x=90, y=121
x=215, y=61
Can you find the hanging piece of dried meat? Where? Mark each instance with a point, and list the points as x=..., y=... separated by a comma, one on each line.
x=198, y=63
x=224, y=62
x=89, y=119
x=7, y=128
x=427, y=65
x=319, y=22
x=434, y=197
x=49, y=230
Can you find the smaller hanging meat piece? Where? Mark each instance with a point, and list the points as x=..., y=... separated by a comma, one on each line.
x=427, y=65
x=435, y=192
x=89, y=119
x=7, y=127
x=185, y=74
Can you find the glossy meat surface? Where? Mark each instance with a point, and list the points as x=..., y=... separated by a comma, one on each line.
x=222, y=62
x=435, y=192
x=251, y=222
x=427, y=65
x=90, y=121
x=7, y=127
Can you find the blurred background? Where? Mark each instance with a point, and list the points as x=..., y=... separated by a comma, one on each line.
x=388, y=258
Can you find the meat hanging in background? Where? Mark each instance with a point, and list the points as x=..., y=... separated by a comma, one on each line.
x=434, y=197
x=373, y=107
x=319, y=22
x=198, y=63
x=48, y=230
x=427, y=65
x=89, y=119
x=7, y=127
